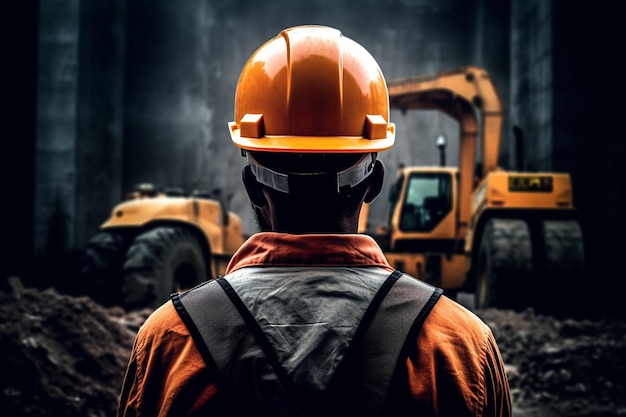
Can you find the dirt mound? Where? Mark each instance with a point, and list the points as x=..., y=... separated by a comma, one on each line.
x=566, y=367
x=61, y=355
x=64, y=355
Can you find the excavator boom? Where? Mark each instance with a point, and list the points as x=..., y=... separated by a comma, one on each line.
x=469, y=96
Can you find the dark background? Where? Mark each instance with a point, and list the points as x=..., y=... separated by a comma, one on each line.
x=100, y=95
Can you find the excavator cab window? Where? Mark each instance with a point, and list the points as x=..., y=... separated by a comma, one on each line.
x=427, y=200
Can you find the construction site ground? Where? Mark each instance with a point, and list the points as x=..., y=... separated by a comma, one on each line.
x=65, y=355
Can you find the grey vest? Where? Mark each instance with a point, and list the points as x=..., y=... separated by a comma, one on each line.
x=320, y=341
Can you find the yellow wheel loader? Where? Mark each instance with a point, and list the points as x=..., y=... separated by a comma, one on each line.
x=510, y=238
x=156, y=243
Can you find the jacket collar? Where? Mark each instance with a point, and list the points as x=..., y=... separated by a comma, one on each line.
x=282, y=249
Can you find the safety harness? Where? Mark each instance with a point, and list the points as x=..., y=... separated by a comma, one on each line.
x=251, y=377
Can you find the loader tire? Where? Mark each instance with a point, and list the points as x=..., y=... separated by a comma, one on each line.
x=505, y=262
x=161, y=261
x=102, y=267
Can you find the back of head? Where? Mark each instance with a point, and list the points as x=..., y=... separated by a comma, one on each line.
x=311, y=112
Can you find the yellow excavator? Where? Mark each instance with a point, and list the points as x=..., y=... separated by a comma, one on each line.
x=507, y=237
x=157, y=242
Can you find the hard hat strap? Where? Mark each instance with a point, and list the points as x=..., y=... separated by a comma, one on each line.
x=279, y=181
x=268, y=177
x=356, y=173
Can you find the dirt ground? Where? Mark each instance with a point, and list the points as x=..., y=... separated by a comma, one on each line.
x=66, y=356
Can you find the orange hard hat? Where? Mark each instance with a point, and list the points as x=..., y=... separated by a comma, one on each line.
x=312, y=90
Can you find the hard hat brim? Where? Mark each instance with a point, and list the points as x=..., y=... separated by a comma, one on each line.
x=312, y=144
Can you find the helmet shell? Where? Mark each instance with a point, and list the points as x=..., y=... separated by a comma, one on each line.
x=312, y=90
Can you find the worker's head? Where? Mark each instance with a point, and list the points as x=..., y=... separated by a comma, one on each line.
x=311, y=114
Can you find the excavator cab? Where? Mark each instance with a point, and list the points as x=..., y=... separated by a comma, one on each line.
x=427, y=201
x=422, y=209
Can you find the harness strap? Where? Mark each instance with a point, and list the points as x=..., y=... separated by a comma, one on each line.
x=396, y=324
x=210, y=315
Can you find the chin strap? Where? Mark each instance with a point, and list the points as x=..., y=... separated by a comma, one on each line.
x=279, y=181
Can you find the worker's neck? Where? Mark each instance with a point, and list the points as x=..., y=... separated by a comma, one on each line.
x=314, y=226
x=320, y=215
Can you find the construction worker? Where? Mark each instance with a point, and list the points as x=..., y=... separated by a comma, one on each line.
x=310, y=319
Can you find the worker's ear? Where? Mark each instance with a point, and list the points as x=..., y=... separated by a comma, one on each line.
x=375, y=182
x=253, y=187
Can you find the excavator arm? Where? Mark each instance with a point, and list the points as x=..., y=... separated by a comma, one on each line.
x=469, y=96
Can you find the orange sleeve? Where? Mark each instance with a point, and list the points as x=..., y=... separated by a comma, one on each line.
x=166, y=375
x=456, y=368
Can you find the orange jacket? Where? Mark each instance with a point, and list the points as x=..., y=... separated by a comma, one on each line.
x=455, y=370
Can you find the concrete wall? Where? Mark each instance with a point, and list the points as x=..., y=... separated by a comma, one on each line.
x=493, y=52
x=565, y=98
x=100, y=114
x=531, y=80
x=79, y=119
x=57, y=88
